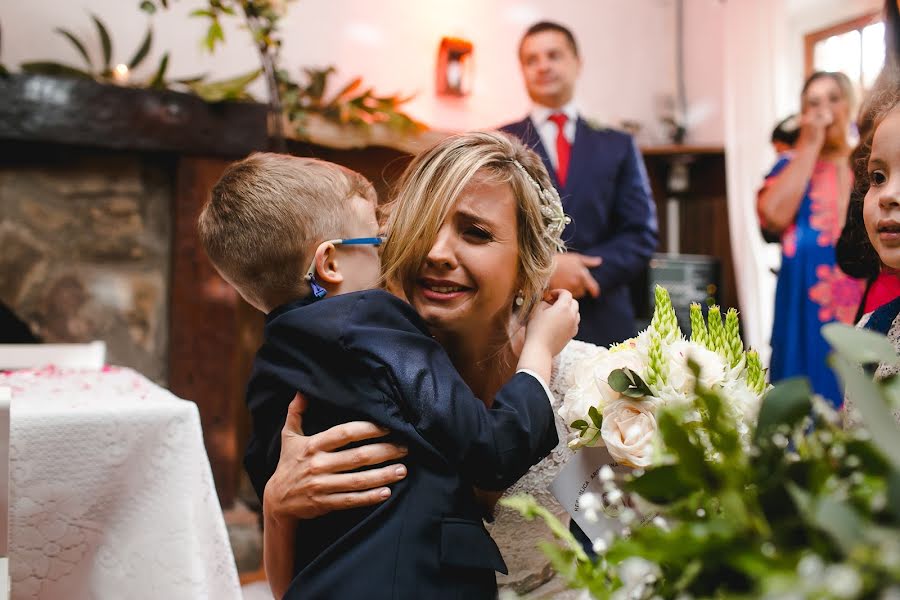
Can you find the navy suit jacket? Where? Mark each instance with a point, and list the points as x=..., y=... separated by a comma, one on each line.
x=608, y=196
x=369, y=356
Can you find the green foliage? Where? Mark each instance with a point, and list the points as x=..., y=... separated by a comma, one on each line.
x=105, y=44
x=296, y=100
x=228, y=89
x=158, y=81
x=716, y=328
x=351, y=105
x=808, y=510
x=234, y=88
x=734, y=346
x=664, y=321
x=141, y=53
x=699, y=332
x=628, y=383
x=657, y=366
x=104, y=72
x=756, y=375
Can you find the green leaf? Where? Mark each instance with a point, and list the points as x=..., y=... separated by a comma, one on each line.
x=78, y=46
x=618, y=380
x=690, y=457
x=638, y=383
x=529, y=508
x=189, y=80
x=786, y=404
x=228, y=89
x=159, y=79
x=870, y=402
x=840, y=522
x=893, y=494
x=148, y=7
x=201, y=12
x=661, y=485
x=213, y=35
x=579, y=424
x=595, y=417
x=860, y=346
x=105, y=42
x=52, y=68
x=142, y=51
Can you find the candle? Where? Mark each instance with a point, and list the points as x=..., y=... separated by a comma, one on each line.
x=120, y=74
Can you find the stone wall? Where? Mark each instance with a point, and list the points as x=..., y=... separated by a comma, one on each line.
x=85, y=240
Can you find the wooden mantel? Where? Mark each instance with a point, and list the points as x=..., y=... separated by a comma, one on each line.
x=82, y=112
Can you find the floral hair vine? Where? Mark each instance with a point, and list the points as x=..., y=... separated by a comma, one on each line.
x=551, y=208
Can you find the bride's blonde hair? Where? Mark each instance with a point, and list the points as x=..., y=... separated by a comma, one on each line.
x=436, y=178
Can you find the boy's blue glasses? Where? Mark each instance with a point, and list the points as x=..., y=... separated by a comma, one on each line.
x=317, y=290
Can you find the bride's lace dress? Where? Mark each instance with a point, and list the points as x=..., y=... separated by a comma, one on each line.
x=517, y=538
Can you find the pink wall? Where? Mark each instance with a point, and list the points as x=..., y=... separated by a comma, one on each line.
x=627, y=48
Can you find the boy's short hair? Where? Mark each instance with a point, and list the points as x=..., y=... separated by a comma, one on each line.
x=266, y=214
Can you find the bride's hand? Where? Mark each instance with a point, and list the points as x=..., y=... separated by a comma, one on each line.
x=311, y=478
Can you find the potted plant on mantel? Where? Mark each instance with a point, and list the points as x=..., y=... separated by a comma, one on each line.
x=48, y=101
x=352, y=117
x=101, y=103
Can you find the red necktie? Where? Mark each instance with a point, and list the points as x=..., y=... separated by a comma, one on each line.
x=563, y=148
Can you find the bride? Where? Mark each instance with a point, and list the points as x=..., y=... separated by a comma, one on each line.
x=445, y=222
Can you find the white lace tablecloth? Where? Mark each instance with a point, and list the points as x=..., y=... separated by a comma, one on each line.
x=111, y=493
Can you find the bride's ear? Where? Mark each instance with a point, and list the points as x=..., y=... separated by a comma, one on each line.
x=327, y=270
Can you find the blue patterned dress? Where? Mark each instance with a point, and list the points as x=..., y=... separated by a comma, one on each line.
x=812, y=290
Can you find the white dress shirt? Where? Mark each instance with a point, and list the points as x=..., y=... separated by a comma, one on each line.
x=540, y=118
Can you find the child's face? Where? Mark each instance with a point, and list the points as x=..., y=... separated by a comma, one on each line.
x=360, y=265
x=881, y=206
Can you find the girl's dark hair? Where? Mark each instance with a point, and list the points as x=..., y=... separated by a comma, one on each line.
x=855, y=254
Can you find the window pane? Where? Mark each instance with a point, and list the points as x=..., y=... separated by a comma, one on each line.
x=872, y=53
x=840, y=53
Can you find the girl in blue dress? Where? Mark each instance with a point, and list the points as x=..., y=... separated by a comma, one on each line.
x=804, y=198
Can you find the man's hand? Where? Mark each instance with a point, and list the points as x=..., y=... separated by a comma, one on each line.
x=311, y=478
x=571, y=273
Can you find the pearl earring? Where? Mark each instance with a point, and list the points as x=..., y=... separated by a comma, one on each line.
x=520, y=298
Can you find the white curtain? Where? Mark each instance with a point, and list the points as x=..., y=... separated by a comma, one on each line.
x=754, y=42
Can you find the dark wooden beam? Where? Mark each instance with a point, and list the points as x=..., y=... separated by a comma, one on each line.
x=39, y=108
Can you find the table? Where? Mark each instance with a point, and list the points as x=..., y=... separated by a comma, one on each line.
x=111, y=493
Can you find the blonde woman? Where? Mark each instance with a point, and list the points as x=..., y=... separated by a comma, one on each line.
x=804, y=200
x=471, y=240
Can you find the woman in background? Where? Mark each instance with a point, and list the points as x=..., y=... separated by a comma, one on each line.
x=804, y=199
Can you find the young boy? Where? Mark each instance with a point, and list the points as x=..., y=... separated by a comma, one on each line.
x=358, y=353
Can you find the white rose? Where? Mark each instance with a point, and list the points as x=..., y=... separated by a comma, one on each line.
x=744, y=401
x=712, y=366
x=582, y=392
x=588, y=385
x=629, y=431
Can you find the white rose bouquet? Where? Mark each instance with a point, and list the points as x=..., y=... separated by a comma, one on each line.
x=616, y=394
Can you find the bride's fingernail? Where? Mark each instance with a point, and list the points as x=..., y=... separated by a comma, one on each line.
x=400, y=471
x=385, y=493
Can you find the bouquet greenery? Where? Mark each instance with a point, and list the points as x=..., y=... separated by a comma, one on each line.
x=805, y=510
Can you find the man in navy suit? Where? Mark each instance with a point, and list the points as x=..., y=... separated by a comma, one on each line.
x=601, y=178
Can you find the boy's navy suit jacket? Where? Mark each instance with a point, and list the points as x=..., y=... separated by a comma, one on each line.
x=369, y=356
x=608, y=196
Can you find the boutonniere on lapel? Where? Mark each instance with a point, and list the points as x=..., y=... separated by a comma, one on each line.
x=596, y=124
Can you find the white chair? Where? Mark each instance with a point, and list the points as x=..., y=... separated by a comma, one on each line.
x=72, y=356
